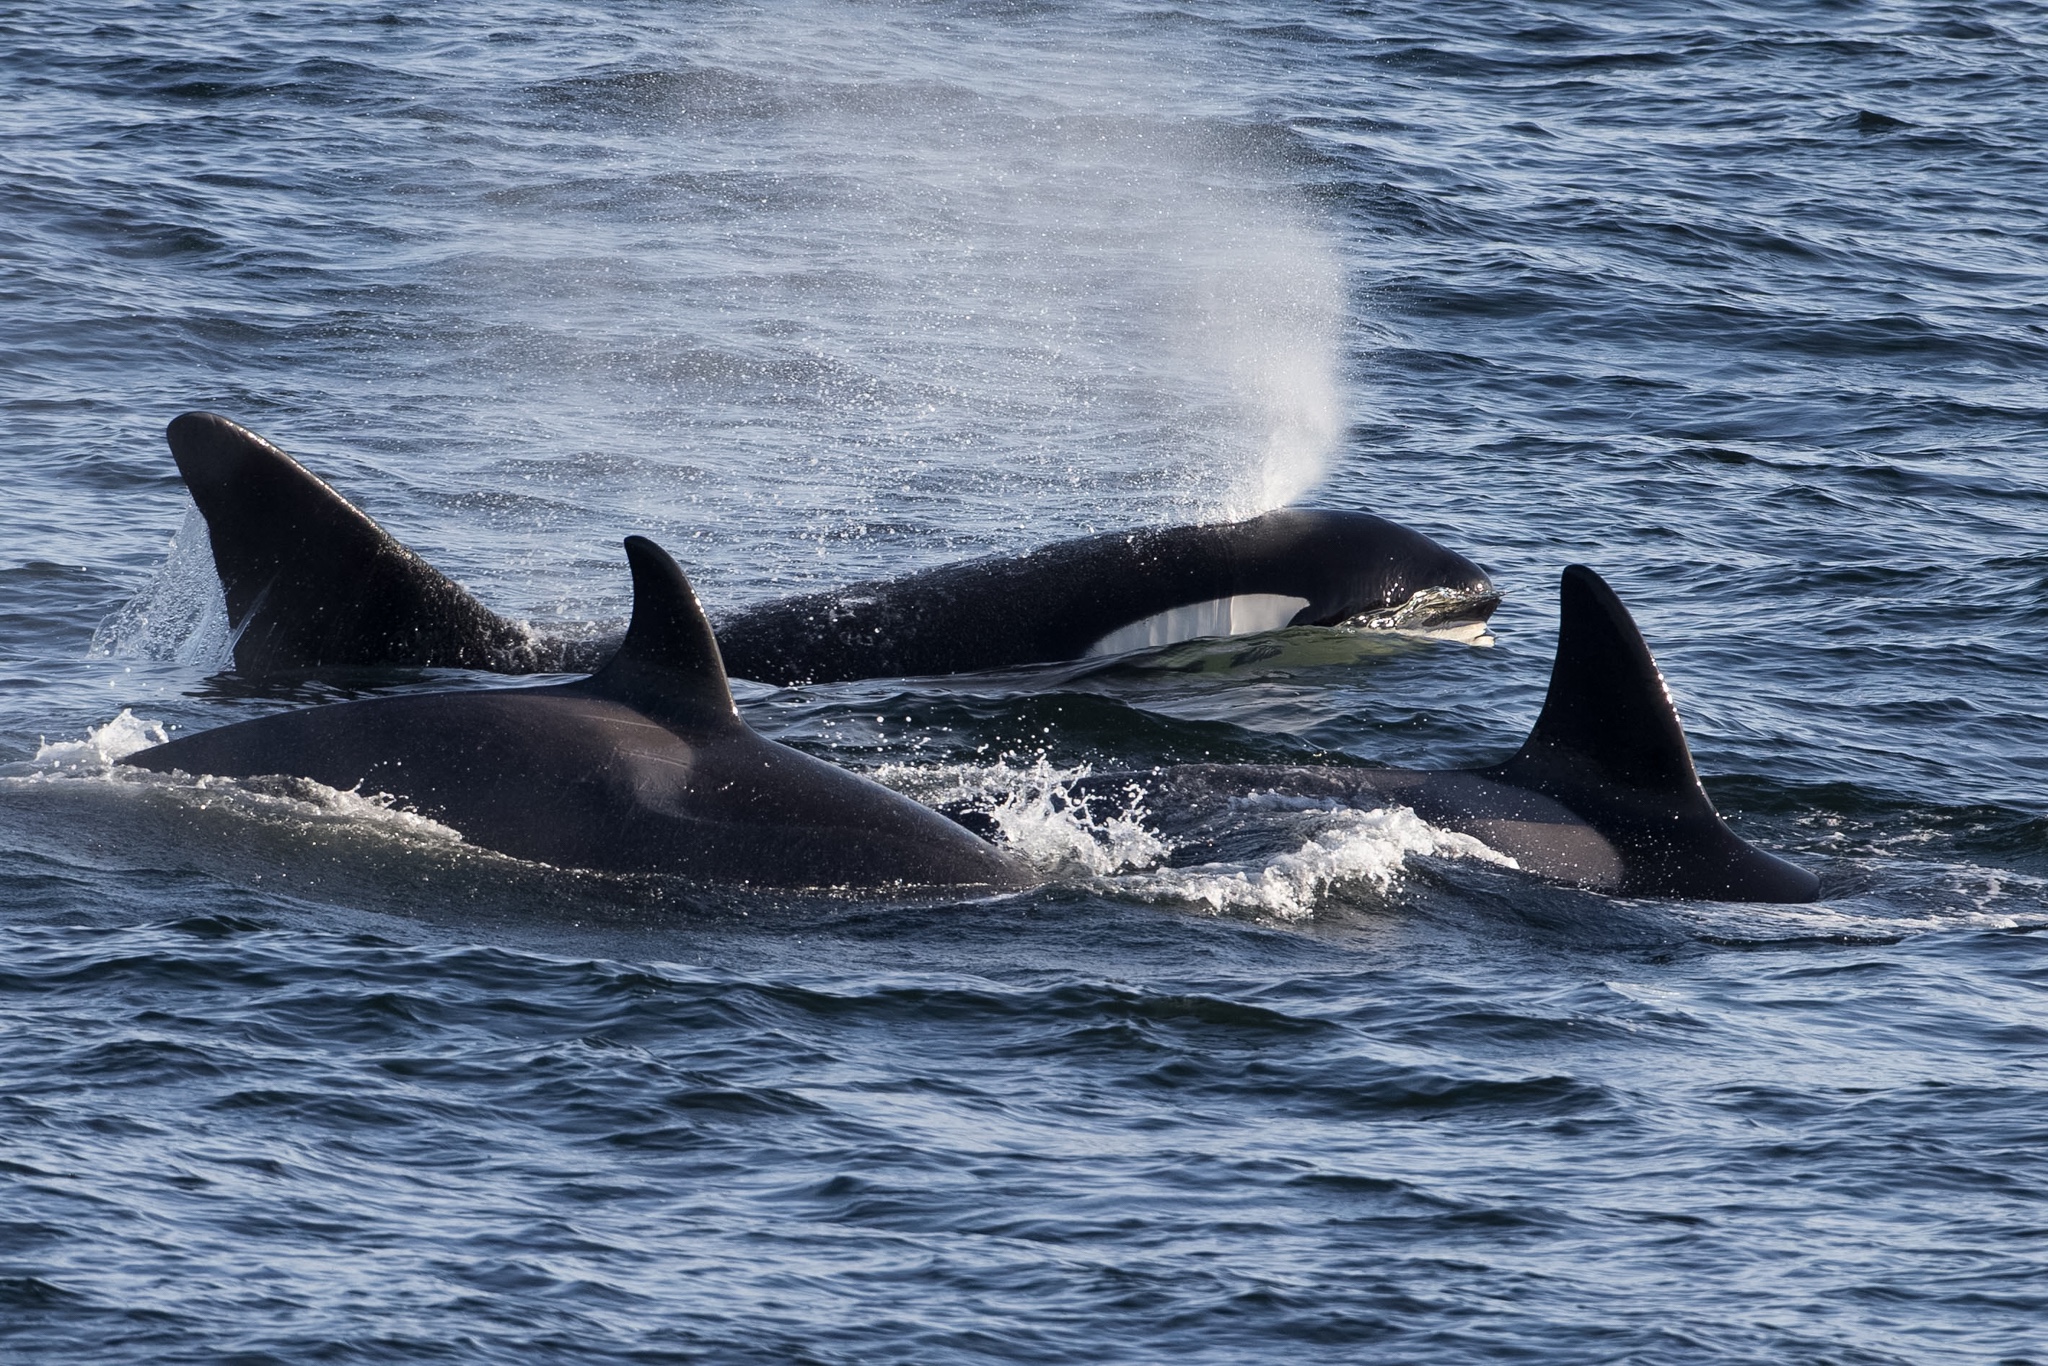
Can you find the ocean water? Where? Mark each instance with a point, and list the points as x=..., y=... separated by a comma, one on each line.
x=1744, y=306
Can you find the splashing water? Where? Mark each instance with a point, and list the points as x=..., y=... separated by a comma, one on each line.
x=103, y=746
x=1037, y=817
x=179, y=616
x=1339, y=847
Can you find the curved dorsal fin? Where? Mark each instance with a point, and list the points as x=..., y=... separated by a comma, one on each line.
x=1608, y=714
x=309, y=580
x=1608, y=747
x=668, y=665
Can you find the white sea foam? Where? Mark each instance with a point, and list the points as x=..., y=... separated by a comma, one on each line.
x=103, y=745
x=304, y=801
x=1031, y=807
x=97, y=757
x=1331, y=848
x=1349, y=848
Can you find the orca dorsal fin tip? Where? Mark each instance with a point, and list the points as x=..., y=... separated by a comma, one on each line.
x=218, y=456
x=669, y=662
x=213, y=452
x=255, y=494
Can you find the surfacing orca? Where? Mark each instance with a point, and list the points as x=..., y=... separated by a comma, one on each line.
x=646, y=766
x=1601, y=795
x=643, y=767
x=311, y=582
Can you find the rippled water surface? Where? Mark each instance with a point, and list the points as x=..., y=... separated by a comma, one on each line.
x=1745, y=307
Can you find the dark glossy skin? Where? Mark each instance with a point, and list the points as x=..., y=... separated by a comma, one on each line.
x=312, y=583
x=580, y=781
x=645, y=767
x=1601, y=795
x=1053, y=604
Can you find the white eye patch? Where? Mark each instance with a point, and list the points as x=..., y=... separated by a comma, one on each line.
x=1239, y=616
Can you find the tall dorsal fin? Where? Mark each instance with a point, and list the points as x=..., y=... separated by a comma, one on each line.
x=1608, y=714
x=309, y=580
x=668, y=665
x=1608, y=747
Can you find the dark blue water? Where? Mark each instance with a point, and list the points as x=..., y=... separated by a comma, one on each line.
x=1745, y=307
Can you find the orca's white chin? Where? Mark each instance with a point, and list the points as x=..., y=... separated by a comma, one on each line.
x=1433, y=611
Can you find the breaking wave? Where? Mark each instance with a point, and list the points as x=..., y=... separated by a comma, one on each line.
x=1319, y=850
x=300, y=801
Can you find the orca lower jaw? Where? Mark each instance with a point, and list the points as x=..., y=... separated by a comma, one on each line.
x=1429, y=609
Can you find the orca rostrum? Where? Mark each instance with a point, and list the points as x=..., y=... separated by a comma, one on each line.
x=313, y=583
x=1602, y=793
x=643, y=767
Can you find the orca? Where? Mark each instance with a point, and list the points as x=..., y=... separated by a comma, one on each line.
x=646, y=767
x=313, y=583
x=643, y=767
x=1601, y=795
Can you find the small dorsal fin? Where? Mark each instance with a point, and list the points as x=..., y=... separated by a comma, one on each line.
x=668, y=665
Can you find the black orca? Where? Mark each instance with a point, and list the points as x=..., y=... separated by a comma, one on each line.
x=1601, y=795
x=646, y=767
x=643, y=767
x=313, y=583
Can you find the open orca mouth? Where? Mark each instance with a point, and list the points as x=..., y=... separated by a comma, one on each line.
x=1431, y=609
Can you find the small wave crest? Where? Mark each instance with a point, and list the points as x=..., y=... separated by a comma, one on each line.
x=272, y=799
x=304, y=801
x=1344, y=848
x=1326, y=849
x=102, y=746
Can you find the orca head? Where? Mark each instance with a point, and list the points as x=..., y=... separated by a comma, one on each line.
x=1609, y=748
x=1366, y=570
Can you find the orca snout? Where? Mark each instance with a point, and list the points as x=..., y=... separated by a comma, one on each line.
x=1417, y=583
